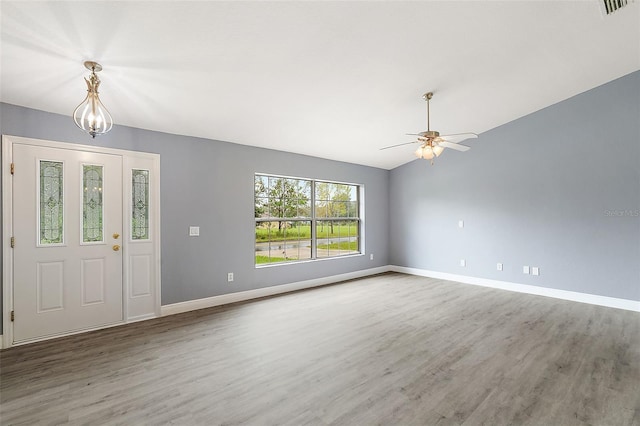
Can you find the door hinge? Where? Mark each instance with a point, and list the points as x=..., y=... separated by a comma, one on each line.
x=12, y=168
x=13, y=242
x=13, y=315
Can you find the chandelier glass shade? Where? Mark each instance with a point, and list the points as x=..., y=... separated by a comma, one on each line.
x=91, y=115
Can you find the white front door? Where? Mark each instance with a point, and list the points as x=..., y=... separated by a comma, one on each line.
x=67, y=225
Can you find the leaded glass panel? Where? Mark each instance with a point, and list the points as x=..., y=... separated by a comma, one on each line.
x=92, y=208
x=51, y=202
x=140, y=205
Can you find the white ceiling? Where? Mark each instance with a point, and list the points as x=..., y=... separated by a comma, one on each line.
x=337, y=80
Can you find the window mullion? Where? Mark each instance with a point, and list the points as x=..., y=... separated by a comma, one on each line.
x=313, y=221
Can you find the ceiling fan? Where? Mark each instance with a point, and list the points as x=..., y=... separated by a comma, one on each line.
x=432, y=143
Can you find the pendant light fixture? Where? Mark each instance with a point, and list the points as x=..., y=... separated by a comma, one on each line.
x=91, y=116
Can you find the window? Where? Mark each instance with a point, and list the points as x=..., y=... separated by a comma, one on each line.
x=337, y=223
x=304, y=219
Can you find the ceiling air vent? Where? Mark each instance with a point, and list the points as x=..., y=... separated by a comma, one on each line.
x=610, y=6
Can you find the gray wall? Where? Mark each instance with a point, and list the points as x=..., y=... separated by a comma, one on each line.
x=558, y=189
x=210, y=184
x=534, y=192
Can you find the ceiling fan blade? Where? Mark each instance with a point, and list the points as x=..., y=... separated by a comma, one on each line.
x=458, y=137
x=400, y=144
x=416, y=134
x=446, y=144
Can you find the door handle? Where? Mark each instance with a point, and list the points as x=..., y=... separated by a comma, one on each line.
x=116, y=236
x=116, y=247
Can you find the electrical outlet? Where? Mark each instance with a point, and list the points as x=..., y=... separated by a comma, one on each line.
x=194, y=231
x=371, y=256
x=499, y=266
x=463, y=262
x=230, y=277
x=535, y=270
x=525, y=270
x=461, y=224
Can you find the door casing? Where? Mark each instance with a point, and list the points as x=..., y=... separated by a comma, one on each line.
x=131, y=159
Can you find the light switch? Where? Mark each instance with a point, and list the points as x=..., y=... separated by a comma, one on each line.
x=499, y=266
x=194, y=231
x=525, y=270
x=461, y=224
x=535, y=270
x=463, y=262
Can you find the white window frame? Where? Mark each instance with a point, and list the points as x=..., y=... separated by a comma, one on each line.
x=313, y=219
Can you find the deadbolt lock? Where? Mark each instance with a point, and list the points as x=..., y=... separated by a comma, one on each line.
x=116, y=247
x=116, y=236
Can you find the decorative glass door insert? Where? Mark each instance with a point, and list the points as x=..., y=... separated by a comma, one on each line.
x=140, y=204
x=92, y=208
x=51, y=202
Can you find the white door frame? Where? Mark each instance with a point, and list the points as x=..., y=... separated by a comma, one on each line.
x=129, y=157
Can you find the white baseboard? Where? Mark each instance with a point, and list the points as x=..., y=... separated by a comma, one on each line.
x=611, y=302
x=176, y=308
x=224, y=299
x=191, y=305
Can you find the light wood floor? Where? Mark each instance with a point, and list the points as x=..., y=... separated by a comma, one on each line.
x=390, y=349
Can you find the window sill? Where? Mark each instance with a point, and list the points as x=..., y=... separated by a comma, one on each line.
x=298, y=262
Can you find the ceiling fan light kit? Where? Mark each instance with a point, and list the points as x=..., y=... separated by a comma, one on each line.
x=428, y=152
x=91, y=115
x=432, y=143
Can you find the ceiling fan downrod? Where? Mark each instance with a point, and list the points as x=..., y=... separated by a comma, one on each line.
x=427, y=97
x=429, y=134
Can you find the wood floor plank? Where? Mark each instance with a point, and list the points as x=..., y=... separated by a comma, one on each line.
x=388, y=349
